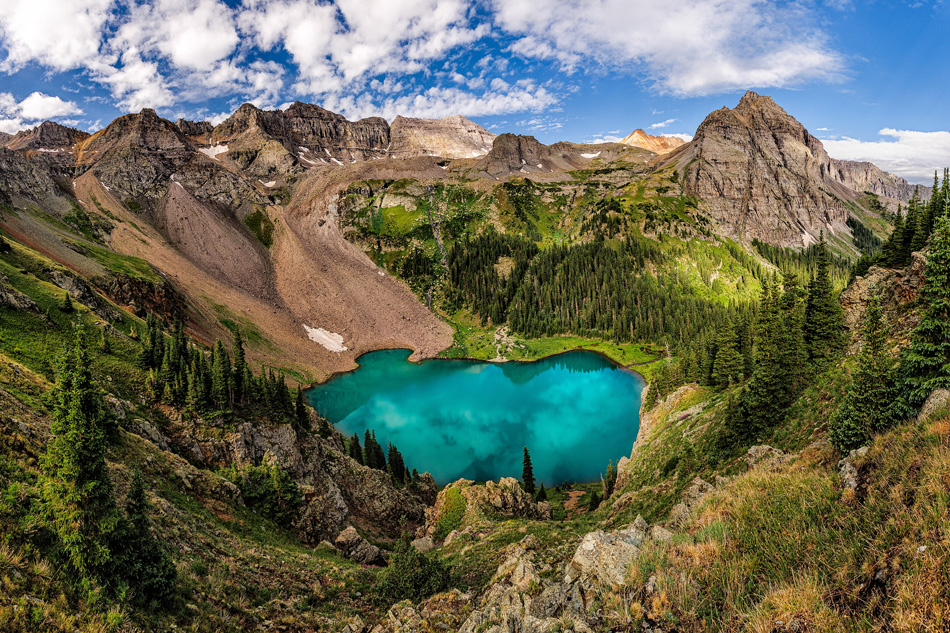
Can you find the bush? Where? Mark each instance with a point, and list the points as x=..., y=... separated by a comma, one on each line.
x=268, y=490
x=412, y=575
x=452, y=513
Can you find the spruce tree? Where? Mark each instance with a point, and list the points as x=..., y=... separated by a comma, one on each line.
x=728, y=366
x=610, y=480
x=301, y=419
x=67, y=305
x=4, y=246
x=527, y=473
x=925, y=366
x=763, y=399
x=76, y=491
x=892, y=252
x=541, y=494
x=823, y=328
x=355, y=450
x=220, y=376
x=145, y=563
x=867, y=404
x=240, y=369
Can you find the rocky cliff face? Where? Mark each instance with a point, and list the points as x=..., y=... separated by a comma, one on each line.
x=516, y=154
x=762, y=175
x=268, y=143
x=864, y=176
x=449, y=137
x=655, y=144
x=48, y=136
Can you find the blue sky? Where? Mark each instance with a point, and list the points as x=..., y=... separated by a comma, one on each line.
x=867, y=77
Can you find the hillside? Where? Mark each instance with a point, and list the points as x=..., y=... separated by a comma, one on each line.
x=166, y=287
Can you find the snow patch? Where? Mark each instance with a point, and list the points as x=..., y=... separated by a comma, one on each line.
x=270, y=183
x=213, y=151
x=330, y=340
x=55, y=150
x=591, y=155
x=807, y=240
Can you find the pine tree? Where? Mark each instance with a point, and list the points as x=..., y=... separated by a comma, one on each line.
x=4, y=246
x=594, y=501
x=762, y=402
x=527, y=473
x=892, y=251
x=541, y=494
x=76, y=492
x=145, y=563
x=301, y=419
x=240, y=370
x=728, y=365
x=866, y=406
x=610, y=479
x=67, y=305
x=355, y=450
x=824, y=320
x=220, y=376
x=926, y=364
x=911, y=224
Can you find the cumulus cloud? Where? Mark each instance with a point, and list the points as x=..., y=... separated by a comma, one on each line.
x=909, y=154
x=18, y=115
x=684, y=47
x=58, y=34
x=437, y=102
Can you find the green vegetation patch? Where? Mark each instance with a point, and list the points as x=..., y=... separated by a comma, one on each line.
x=261, y=226
x=452, y=513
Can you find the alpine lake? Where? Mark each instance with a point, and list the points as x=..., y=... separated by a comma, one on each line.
x=574, y=411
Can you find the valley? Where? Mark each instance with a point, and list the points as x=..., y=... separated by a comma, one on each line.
x=727, y=359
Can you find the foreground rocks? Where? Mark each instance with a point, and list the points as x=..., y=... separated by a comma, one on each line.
x=506, y=498
x=358, y=549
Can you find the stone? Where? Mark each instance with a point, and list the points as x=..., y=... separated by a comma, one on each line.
x=847, y=470
x=358, y=549
x=763, y=456
x=449, y=137
x=602, y=557
x=936, y=402
x=660, y=534
x=505, y=497
x=424, y=544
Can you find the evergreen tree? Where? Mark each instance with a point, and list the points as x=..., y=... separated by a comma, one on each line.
x=76, y=492
x=355, y=450
x=397, y=467
x=610, y=479
x=541, y=494
x=4, y=246
x=824, y=321
x=145, y=563
x=240, y=371
x=728, y=366
x=220, y=376
x=866, y=406
x=594, y=501
x=911, y=225
x=301, y=419
x=67, y=305
x=527, y=473
x=926, y=364
x=892, y=253
x=762, y=402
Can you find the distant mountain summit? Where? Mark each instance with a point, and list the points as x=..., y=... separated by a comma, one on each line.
x=655, y=144
x=449, y=137
x=762, y=175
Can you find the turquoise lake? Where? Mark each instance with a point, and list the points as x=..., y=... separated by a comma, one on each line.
x=459, y=418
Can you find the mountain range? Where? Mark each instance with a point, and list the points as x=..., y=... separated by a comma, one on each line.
x=191, y=199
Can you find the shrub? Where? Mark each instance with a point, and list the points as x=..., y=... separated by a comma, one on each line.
x=268, y=490
x=452, y=513
x=412, y=575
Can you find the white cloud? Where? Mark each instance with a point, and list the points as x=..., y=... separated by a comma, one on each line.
x=58, y=34
x=38, y=107
x=685, y=47
x=912, y=155
x=681, y=135
x=136, y=84
x=439, y=101
x=662, y=124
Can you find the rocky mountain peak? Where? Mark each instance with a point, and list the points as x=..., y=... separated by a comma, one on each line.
x=47, y=135
x=655, y=144
x=449, y=137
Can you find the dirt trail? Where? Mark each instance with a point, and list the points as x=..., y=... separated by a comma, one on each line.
x=570, y=504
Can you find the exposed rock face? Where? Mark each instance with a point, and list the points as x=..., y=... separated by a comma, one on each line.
x=506, y=498
x=763, y=175
x=864, y=176
x=47, y=136
x=194, y=128
x=517, y=154
x=143, y=156
x=848, y=472
x=448, y=137
x=13, y=298
x=655, y=144
x=936, y=402
x=898, y=289
x=268, y=143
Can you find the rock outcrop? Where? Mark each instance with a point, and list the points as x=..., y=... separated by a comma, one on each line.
x=505, y=498
x=269, y=143
x=449, y=137
x=516, y=154
x=655, y=144
x=46, y=137
x=358, y=549
x=898, y=289
x=862, y=176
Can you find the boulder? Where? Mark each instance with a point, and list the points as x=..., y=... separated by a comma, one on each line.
x=604, y=557
x=936, y=402
x=424, y=544
x=358, y=549
x=506, y=498
x=763, y=456
x=847, y=470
